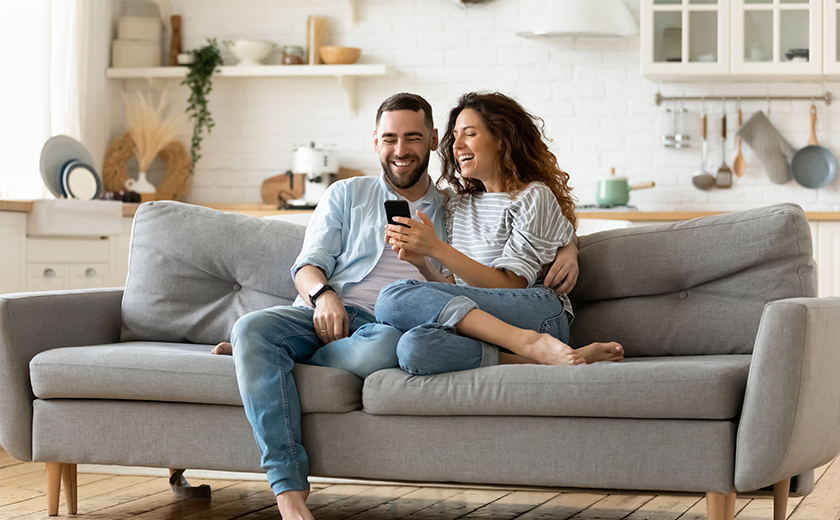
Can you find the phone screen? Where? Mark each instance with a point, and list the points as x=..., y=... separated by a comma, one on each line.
x=397, y=208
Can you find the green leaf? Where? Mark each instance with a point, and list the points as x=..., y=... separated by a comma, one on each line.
x=207, y=59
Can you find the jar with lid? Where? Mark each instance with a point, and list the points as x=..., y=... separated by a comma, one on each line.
x=292, y=55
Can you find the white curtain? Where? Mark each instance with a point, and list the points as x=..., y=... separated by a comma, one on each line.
x=69, y=51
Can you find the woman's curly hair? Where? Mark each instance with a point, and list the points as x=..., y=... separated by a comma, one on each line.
x=524, y=156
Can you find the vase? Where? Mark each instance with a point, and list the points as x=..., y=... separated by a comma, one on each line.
x=142, y=186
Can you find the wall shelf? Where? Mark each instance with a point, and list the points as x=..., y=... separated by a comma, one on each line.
x=345, y=74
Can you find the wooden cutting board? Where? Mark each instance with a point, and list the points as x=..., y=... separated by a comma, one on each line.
x=276, y=186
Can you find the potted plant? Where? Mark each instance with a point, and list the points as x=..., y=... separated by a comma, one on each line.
x=205, y=61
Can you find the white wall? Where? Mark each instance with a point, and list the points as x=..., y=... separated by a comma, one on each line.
x=598, y=109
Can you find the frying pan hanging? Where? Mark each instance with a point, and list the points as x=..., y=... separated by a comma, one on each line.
x=813, y=166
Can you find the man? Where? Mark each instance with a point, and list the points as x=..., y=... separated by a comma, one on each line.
x=342, y=266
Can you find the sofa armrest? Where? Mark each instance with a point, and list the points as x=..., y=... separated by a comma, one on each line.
x=31, y=323
x=791, y=412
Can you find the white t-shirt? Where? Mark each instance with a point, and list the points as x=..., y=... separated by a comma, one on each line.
x=388, y=269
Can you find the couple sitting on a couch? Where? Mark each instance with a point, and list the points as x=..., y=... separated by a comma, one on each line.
x=469, y=292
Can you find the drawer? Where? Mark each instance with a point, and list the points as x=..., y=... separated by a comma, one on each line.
x=47, y=277
x=87, y=276
x=67, y=250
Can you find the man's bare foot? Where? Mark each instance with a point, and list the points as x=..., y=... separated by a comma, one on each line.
x=223, y=349
x=547, y=350
x=292, y=505
x=595, y=352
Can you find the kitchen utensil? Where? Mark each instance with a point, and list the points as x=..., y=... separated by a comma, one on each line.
x=250, y=52
x=340, y=55
x=813, y=166
x=175, y=41
x=774, y=152
x=315, y=26
x=702, y=179
x=79, y=181
x=740, y=164
x=723, y=178
x=55, y=154
x=319, y=165
x=615, y=191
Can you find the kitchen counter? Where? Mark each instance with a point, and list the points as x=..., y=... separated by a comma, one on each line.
x=263, y=210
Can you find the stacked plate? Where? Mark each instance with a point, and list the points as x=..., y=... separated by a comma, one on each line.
x=67, y=171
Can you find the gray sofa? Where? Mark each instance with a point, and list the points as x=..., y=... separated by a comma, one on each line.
x=730, y=382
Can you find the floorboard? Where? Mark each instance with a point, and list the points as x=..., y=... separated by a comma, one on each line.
x=128, y=497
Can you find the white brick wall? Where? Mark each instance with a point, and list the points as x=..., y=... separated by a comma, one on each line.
x=598, y=110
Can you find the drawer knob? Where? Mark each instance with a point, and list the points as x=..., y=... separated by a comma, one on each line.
x=90, y=271
x=49, y=272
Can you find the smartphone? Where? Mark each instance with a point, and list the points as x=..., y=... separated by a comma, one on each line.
x=397, y=208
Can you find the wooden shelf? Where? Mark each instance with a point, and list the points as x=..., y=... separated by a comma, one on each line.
x=345, y=74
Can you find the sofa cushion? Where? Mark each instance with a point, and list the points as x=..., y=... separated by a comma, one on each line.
x=690, y=387
x=146, y=371
x=694, y=287
x=194, y=271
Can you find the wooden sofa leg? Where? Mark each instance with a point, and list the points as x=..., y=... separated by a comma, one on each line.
x=781, y=490
x=720, y=506
x=68, y=479
x=54, y=471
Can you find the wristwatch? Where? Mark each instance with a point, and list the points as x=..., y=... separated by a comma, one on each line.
x=318, y=290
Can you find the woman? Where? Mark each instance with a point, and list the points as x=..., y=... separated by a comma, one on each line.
x=510, y=211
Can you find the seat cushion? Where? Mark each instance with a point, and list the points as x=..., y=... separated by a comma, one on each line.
x=687, y=387
x=149, y=371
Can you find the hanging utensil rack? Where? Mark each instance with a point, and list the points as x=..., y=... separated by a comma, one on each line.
x=659, y=98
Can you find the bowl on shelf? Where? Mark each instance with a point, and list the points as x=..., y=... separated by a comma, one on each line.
x=250, y=52
x=340, y=55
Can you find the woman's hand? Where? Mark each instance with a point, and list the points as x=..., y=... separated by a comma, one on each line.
x=563, y=274
x=418, y=237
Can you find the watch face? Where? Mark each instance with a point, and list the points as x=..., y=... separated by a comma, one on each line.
x=315, y=290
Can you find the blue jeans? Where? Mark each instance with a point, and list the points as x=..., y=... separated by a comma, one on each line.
x=266, y=345
x=427, y=313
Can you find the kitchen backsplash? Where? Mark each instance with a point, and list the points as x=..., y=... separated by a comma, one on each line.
x=598, y=110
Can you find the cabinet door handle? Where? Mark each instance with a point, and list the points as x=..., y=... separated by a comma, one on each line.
x=49, y=272
x=90, y=271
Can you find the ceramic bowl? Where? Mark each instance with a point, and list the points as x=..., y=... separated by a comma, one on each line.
x=250, y=52
x=340, y=55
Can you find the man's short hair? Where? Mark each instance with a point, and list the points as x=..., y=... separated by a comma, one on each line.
x=406, y=101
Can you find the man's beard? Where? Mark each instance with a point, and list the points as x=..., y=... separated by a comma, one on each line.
x=413, y=177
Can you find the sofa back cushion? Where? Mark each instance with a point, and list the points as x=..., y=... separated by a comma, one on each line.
x=694, y=287
x=193, y=271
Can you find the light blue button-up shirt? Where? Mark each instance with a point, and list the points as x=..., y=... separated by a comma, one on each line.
x=345, y=237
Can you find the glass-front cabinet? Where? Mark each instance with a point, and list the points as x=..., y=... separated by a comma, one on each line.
x=685, y=37
x=777, y=37
x=831, y=49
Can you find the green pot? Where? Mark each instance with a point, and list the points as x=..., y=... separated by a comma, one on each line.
x=614, y=191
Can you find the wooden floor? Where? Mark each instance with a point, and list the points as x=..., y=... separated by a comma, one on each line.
x=116, y=497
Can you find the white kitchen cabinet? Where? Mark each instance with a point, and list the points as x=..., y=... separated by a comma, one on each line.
x=828, y=259
x=765, y=31
x=12, y=251
x=744, y=39
x=67, y=263
x=831, y=47
x=686, y=38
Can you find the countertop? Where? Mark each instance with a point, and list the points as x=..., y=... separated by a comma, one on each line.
x=262, y=210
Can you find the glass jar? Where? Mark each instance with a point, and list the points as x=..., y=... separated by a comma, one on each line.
x=292, y=55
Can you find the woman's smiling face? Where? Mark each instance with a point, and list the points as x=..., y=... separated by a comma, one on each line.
x=476, y=150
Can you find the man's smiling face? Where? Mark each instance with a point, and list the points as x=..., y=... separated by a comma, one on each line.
x=404, y=144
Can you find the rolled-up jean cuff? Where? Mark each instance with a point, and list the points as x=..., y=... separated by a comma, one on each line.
x=455, y=311
x=489, y=355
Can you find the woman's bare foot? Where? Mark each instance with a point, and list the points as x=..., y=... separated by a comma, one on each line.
x=223, y=349
x=595, y=352
x=292, y=505
x=547, y=350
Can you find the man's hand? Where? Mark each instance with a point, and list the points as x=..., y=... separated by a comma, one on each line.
x=330, y=319
x=563, y=274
